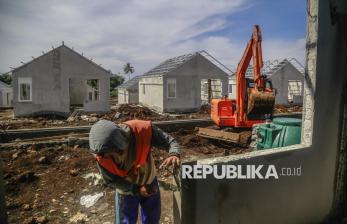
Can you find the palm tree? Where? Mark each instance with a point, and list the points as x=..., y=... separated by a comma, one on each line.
x=128, y=69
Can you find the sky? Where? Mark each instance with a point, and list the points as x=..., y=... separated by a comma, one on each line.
x=147, y=32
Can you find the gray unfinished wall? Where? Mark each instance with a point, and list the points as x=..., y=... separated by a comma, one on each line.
x=188, y=84
x=305, y=199
x=46, y=86
x=77, y=91
x=50, y=83
x=73, y=66
x=280, y=81
x=153, y=96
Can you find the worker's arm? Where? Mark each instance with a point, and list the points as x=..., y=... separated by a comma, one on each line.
x=162, y=139
x=119, y=183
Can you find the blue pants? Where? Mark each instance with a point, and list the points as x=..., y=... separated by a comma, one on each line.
x=127, y=211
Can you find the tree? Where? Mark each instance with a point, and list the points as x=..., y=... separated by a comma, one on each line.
x=128, y=69
x=6, y=78
x=115, y=81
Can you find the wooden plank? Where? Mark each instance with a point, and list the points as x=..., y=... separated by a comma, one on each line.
x=219, y=135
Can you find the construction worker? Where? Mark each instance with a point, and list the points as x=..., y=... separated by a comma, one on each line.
x=124, y=159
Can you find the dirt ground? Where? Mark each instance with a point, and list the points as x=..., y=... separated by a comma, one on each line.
x=119, y=113
x=46, y=185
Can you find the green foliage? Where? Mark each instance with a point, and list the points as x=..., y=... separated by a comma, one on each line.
x=93, y=83
x=128, y=68
x=6, y=78
x=114, y=93
x=115, y=81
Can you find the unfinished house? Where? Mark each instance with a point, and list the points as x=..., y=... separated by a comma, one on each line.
x=128, y=92
x=288, y=81
x=184, y=83
x=232, y=87
x=58, y=81
x=286, y=76
x=6, y=95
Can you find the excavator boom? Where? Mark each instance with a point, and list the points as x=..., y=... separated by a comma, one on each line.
x=253, y=104
x=258, y=100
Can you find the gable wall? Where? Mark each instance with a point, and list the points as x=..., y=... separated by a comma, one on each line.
x=280, y=81
x=50, y=83
x=75, y=67
x=188, y=84
x=47, y=87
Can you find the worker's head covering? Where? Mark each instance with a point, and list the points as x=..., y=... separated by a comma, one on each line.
x=106, y=136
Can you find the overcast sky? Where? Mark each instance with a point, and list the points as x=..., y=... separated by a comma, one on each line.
x=146, y=32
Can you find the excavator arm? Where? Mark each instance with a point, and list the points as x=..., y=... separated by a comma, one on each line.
x=259, y=96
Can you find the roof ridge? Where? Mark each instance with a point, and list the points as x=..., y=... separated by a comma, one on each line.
x=129, y=82
x=60, y=46
x=170, y=64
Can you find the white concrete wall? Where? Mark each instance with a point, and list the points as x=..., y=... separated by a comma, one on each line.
x=122, y=96
x=5, y=91
x=232, y=90
x=153, y=96
x=305, y=199
x=130, y=96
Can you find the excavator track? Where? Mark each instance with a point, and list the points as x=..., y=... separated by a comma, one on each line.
x=241, y=138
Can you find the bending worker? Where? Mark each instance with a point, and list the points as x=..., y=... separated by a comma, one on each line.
x=124, y=159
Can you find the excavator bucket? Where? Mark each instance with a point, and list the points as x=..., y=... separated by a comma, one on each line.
x=260, y=102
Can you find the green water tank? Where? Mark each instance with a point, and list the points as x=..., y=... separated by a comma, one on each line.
x=282, y=131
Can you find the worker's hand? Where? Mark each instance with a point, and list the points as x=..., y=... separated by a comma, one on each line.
x=144, y=192
x=171, y=160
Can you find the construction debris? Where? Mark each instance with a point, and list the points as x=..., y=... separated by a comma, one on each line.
x=90, y=200
x=118, y=114
x=219, y=135
x=72, y=173
x=281, y=109
x=95, y=177
x=131, y=111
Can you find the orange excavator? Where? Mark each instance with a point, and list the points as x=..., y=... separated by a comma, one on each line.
x=254, y=101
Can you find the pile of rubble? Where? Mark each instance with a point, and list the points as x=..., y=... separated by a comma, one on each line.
x=47, y=122
x=126, y=112
x=283, y=109
x=119, y=113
